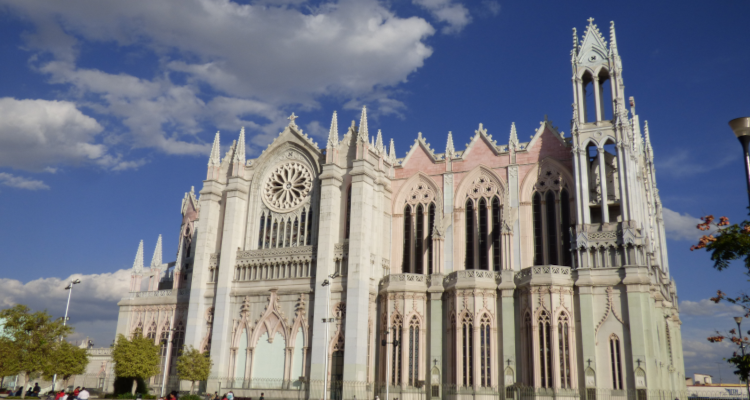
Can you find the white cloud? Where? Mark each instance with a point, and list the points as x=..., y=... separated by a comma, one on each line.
x=680, y=163
x=492, y=6
x=21, y=182
x=706, y=307
x=35, y=134
x=681, y=226
x=223, y=64
x=455, y=15
x=93, y=305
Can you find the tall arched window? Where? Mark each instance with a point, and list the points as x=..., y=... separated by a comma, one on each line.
x=262, y=226
x=151, y=333
x=565, y=226
x=406, y=266
x=430, y=228
x=419, y=243
x=496, y=234
x=563, y=337
x=484, y=351
x=469, y=234
x=616, y=361
x=396, y=354
x=483, y=233
x=545, y=350
x=348, y=211
x=308, y=228
x=552, y=242
x=528, y=349
x=452, y=346
x=413, y=352
x=538, y=241
x=467, y=342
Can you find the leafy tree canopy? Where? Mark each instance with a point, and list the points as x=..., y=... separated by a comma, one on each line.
x=65, y=361
x=136, y=358
x=193, y=366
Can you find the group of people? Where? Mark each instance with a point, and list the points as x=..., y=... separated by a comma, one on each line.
x=230, y=396
x=79, y=393
x=32, y=392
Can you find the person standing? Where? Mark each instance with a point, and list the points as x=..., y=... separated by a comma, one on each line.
x=262, y=397
x=230, y=395
x=83, y=394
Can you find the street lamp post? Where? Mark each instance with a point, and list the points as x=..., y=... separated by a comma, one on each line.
x=741, y=128
x=65, y=321
x=168, y=358
x=327, y=320
x=385, y=344
x=738, y=320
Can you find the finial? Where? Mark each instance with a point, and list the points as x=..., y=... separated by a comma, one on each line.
x=392, y=153
x=215, y=158
x=363, y=134
x=591, y=21
x=156, y=259
x=138, y=263
x=481, y=129
x=450, y=151
x=575, y=41
x=291, y=119
x=333, y=133
x=419, y=135
x=647, y=135
x=379, y=143
x=513, y=142
x=239, y=154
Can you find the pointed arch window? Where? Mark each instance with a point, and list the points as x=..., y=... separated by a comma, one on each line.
x=419, y=243
x=528, y=349
x=407, y=240
x=469, y=234
x=419, y=221
x=430, y=229
x=396, y=353
x=563, y=337
x=551, y=219
x=467, y=343
x=565, y=227
x=348, y=212
x=545, y=350
x=538, y=241
x=483, y=235
x=484, y=351
x=616, y=361
x=496, y=234
x=413, y=352
x=151, y=333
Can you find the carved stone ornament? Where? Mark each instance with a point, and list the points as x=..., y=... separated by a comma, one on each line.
x=549, y=179
x=483, y=186
x=287, y=186
x=420, y=193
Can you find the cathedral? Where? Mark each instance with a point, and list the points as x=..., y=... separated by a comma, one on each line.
x=344, y=271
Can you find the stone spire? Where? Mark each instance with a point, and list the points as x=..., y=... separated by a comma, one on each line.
x=513, y=141
x=138, y=263
x=239, y=153
x=214, y=160
x=612, y=39
x=392, y=153
x=649, y=149
x=333, y=133
x=450, y=151
x=379, y=143
x=575, y=43
x=156, y=259
x=362, y=135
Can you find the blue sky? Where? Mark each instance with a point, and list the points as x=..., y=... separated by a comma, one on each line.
x=107, y=110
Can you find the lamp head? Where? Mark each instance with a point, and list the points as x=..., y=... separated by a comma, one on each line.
x=77, y=281
x=68, y=287
x=740, y=126
x=738, y=319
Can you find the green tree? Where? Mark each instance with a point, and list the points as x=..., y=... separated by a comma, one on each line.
x=135, y=358
x=729, y=242
x=65, y=361
x=9, y=364
x=34, y=336
x=192, y=365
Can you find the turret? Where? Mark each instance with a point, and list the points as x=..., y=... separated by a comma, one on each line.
x=156, y=262
x=214, y=160
x=137, y=274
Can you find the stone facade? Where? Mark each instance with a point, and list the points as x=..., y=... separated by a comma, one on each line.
x=540, y=263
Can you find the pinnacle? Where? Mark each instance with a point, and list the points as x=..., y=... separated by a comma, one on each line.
x=575, y=41
x=363, y=134
x=449, y=148
x=138, y=263
x=215, y=157
x=333, y=133
x=379, y=142
x=513, y=142
x=612, y=39
x=156, y=260
x=647, y=135
x=392, y=152
x=239, y=154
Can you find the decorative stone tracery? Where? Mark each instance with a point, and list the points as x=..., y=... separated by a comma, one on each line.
x=287, y=186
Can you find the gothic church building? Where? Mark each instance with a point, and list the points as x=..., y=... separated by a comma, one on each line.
x=538, y=263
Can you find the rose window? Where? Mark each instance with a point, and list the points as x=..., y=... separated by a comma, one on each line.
x=287, y=186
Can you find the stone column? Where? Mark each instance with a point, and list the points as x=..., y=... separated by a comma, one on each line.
x=435, y=326
x=448, y=220
x=597, y=99
x=507, y=331
x=603, y=184
x=328, y=235
x=231, y=240
x=358, y=279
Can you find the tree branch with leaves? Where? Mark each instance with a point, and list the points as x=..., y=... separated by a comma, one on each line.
x=193, y=366
x=136, y=358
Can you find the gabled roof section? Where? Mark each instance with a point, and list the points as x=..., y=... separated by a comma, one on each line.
x=545, y=125
x=292, y=131
x=481, y=134
x=420, y=142
x=592, y=42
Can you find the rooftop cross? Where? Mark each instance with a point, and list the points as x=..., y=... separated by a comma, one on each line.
x=292, y=118
x=591, y=21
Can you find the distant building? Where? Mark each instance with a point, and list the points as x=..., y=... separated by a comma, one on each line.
x=701, y=387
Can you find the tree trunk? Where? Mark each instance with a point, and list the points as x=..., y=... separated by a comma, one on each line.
x=135, y=386
x=192, y=385
x=23, y=385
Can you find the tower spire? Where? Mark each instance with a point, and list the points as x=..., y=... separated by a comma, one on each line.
x=214, y=160
x=450, y=150
x=333, y=133
x=363, y=134
x=575, y=43
x=379, y=142
x=649, y=149
x=156, y=259
x=138, y=263
x=612, y=39
x=392, y=153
